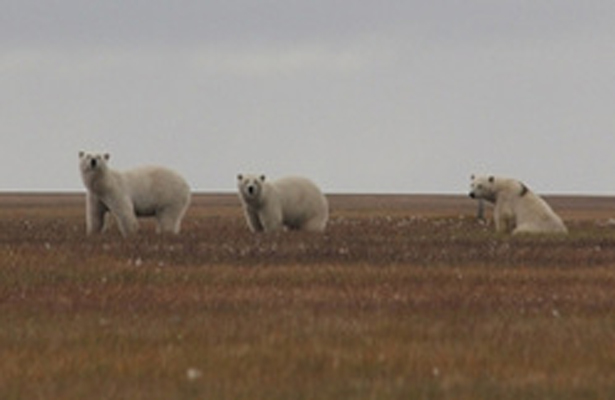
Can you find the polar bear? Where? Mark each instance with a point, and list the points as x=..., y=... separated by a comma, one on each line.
x=142, y=192
x=291, y=202
x=517, y=208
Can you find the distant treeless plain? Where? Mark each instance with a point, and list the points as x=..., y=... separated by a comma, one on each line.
x=402, y=297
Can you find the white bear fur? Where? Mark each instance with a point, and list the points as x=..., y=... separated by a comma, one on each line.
x=150, y=191
x=293, y=203
x=516, y=208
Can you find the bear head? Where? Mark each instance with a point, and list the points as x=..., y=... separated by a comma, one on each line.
x=92, y=163
x=483, y=187
x=488, y=187
x=250, y=187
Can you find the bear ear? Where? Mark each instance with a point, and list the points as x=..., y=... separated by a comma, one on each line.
x=106, y=156
x=239, y=177
x=262, y=178
x=81, y=154
x=491, y=179
x=472, y=177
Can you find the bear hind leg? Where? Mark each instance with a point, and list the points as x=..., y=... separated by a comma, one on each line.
x=314, y=225
x=271, y=222
x=170, y=220
x=168, y=223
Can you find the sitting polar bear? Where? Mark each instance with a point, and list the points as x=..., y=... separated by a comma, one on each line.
x=293, y=202
x=141, y=192
x=517, y=208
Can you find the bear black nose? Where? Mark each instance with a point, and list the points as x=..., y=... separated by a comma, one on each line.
x=472, y=195
x=93, y=163
x=251, y=190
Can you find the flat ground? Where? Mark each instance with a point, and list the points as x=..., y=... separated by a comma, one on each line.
x=403, y=297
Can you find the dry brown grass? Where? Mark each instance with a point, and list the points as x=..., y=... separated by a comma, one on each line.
x=403, y=297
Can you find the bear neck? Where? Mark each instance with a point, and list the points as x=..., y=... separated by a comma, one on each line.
x=96, y=180
x=491, y=198
x=252, y=202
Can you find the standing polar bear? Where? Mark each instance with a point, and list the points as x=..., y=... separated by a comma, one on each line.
x=517, y=208
x=292, y=202
x=142, y=192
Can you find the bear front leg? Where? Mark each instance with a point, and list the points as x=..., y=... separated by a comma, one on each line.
x=95, y=212
x=127, y=223
x=504, y=218
x=252, y=220
x=505, y=224
x=500, y=224
x=124, y=214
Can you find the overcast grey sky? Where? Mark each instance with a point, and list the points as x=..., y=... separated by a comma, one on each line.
x=401, y=96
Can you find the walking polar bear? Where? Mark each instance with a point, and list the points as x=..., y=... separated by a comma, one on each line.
x=517, y=208
x=292, y=202
x=142, y=192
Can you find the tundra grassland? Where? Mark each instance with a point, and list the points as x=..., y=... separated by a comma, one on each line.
x=403, y=297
